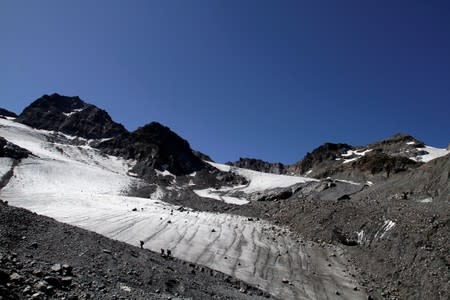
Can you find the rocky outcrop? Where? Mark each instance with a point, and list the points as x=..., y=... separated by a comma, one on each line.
x=203, y=156
x=326, y=152
x=399, y=145
x=155, y=146
x=70, y=115
x=11, y=150
x=258, y=165
x=7, y=113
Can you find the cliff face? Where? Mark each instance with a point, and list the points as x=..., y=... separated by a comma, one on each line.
x=70, y=115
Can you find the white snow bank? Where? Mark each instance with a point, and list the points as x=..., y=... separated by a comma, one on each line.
x=214, y=194
x=359, y=153
x=63, y=168
x=426, y=200
x=259, y=181
x=388, y=225
x=432, y=154
x=73, y=112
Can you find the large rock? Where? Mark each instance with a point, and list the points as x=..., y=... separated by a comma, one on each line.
x=70, y=115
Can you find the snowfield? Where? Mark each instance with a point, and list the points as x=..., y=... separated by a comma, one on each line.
x=258, y=182
x=80, y=186
x=433, y=153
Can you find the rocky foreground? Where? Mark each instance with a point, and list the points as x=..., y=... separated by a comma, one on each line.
x=44, y=259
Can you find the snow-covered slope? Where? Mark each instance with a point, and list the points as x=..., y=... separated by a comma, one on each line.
x=433, y=153
x=257, y=182
x=81, y=186
x=59, y=167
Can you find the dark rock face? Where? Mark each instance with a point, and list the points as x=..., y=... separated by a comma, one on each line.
x=8, y=149
x=70, y=115
x=7, y=113
x=384, y=163
x=258, y=165
x=203, y=156
x=327, y=151
x=155, y=146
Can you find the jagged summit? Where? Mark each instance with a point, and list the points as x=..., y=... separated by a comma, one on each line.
x=70, y=115
x=155, y=146
x=258, y=165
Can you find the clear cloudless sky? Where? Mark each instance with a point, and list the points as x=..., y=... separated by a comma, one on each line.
x=244, y=78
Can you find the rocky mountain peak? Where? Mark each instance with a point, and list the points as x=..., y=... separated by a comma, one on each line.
x=155, y=146
x=327, y=151
x=70, y=115
x=258, y=165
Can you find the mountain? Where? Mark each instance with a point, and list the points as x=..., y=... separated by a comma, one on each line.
x=347, y=222
x=258, y=165
x=374, y=162
x=155, y=146
x=7, y=113
x=70, y=115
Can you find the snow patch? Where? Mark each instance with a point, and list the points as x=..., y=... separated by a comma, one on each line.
x=426, y=200
x=360, y=236
x=259, y=181
x=433, y=153
x=73, y=112
x=164, y=173
x=359, y=153
x=347, y=181
x=388, y=225
x=214, y=194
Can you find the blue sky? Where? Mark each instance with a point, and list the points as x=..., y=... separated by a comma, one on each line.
x=264, y=79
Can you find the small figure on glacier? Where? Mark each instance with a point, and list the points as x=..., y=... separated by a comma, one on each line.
x=169, y=253
x=162, y=252
x=142, y=244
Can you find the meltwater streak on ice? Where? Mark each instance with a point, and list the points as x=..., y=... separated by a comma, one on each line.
x=82, y=187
